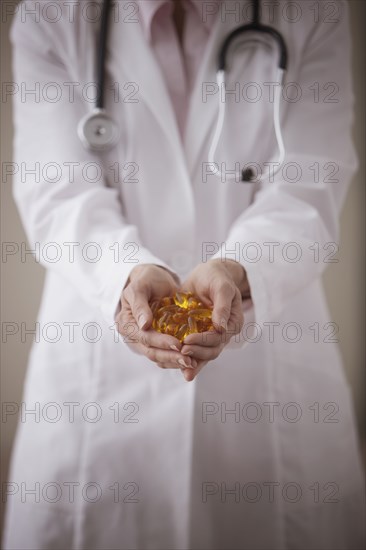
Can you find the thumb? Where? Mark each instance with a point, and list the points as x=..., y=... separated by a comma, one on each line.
x=222, y=300
x=141, y=310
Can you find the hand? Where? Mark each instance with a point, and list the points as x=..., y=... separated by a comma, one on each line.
x=223, y=285
x=146, y=283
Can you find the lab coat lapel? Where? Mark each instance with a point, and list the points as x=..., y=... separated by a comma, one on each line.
x=203, y=107
x=133, y=55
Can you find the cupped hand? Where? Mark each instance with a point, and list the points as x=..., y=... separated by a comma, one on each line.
x=221, y=285
x=147, y=283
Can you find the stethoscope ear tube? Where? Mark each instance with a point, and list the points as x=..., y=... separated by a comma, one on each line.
x=247, y=175
x=253, y=27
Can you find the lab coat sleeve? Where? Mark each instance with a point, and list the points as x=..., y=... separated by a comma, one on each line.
x=285, y=236
x=62, y=193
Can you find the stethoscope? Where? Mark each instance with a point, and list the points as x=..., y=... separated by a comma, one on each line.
x=99, y=132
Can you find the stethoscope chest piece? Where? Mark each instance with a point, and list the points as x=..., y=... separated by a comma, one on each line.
x=97, y=131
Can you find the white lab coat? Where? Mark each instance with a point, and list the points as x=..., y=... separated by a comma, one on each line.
x=288, y=452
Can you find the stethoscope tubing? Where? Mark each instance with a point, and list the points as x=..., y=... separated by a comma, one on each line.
x=238, y=176
x=102, y=53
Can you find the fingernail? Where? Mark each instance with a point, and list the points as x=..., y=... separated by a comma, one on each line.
x=174, y=348
x=181, y=362
x=142, y=321
x=223, y=324
x=186, y=376
x=194, y=363
x=188, y=352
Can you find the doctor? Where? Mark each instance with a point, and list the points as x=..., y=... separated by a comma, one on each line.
x=114, y=448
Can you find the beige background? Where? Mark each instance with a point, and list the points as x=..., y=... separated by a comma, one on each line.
x=21, y=283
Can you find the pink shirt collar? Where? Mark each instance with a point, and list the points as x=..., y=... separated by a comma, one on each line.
x=148, y=9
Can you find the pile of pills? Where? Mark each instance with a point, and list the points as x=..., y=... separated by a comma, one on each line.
x=181, y=315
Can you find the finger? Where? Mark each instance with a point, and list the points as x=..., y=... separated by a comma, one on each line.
x=222, y=300
x=154, y=339
x=236, y=320
x=169, y=366
x=157, y=355
x=138, y=301
x=137, y=348
x=174, y=366
x=163, y=356
x=190, y=374
x=167, y=363
x=150, y=338
x=203, y=353
x=210, y=338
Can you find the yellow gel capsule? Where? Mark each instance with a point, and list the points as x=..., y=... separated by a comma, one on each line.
x=163, y=320
x=182, y=332
x=179, y=318
x=181, y=299
x=171, y=329
x=181, y=315
x=167, y=301
x=193, y=303
x=204, y=327
x=201, y=313
x=192, y=324
x=166, y=309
